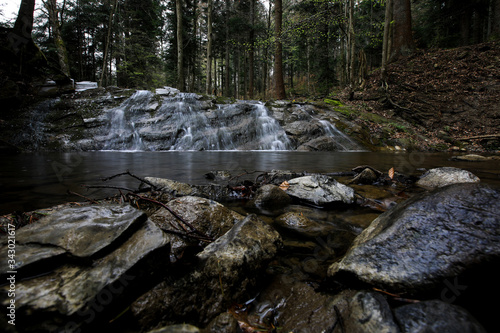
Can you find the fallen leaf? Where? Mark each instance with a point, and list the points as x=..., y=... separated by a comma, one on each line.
x=284, y=186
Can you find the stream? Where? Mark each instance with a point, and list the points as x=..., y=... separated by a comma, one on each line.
x=41, y=180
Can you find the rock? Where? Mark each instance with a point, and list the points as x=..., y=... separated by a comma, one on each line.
x=180, y=328
x=426, y=240
x=178, y=189
x=223, y=323
x=167, y=91
x=471, y=158
x=207, y=216
x=322, y=143
x=367, y=176
x=320, y=190
x=369, y=312
x=108, y=251
x=435, y=316
x=228, y=270
x=301, y=225
x=277, y=177
x=271, y=196
x=444, y=176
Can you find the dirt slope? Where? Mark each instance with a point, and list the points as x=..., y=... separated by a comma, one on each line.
x=451, y=98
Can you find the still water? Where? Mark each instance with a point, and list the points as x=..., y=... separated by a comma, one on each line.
x=33, y=181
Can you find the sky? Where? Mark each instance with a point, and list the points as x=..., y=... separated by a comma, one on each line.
x=9, y=9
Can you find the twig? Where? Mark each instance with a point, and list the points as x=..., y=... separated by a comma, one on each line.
x=82, y=196
x=131, y=175
x=109, y=186
x=486, y=136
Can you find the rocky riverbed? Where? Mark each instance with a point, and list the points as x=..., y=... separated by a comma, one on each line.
x=272, y=252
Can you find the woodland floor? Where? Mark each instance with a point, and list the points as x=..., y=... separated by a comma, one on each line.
x=450, y=98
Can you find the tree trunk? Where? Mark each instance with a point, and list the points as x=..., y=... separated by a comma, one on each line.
x=108, y=39
x=62, y=54
x=24, y=21
x=252, y=51
x=495, y=29
x=180, y=46
x=403, y=43
x=387, y=38
x=227, y=73
x=209, y=48
x=278, y=60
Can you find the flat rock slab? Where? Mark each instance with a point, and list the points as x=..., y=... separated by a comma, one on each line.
x=427, y=239
x=320, y=190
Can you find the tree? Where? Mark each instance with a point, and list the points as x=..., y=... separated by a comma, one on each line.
x=278, y=60
x=62, y=53
x=402, y=39
x=208, y=89
x=180, y=46
x=108, y=40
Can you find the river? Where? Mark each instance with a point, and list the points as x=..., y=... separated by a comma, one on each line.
x=34, y=181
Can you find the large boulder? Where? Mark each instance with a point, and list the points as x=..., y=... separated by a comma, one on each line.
x=444, y=176
x=427, y=239
x=271, y=197
x=79, y=261
x=227, y=270
x=208, y=217
x=320, y=190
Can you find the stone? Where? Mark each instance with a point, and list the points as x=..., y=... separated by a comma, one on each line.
x=78, y=287
x=227, y=271
x=320, y=190
x=179, y=189
x=298, y=224
x=180, y=328
x=271, y=196
x=366, y=176
x=471, y=158
x=207, y=216
x=436, y=316
x=428, y=239
x=444, y=176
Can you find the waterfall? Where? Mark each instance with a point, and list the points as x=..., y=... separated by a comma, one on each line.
x=157, y=122
x=122, y=132
x=341, y=139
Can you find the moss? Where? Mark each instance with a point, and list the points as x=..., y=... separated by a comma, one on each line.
x=333, y=102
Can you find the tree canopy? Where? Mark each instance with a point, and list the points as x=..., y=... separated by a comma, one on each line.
x=239, y=47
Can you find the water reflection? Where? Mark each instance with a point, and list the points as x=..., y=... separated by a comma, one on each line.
x=32, y=181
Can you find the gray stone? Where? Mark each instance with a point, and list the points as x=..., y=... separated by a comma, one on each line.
x=207, y=216
x=74, y=290
x=180, y=328
x=271, y=196
x=444, y=176
x=301, y=225
x=228, y=270
x=427, y=239
x=320, y=190
x=435, y=317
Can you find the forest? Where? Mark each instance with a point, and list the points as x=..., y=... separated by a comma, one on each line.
x=246, y=49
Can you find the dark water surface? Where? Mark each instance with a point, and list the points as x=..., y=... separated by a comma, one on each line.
x=33, y=181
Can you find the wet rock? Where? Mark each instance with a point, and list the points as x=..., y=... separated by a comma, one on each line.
x=223, y=323
x=427, y=239
x=227, y=271
x=369, y=312
x=320, y=190
x=435, y=317
x=271, y=196
x=108, y=251
x=366, y=176
x=444, y=176
x=207, y=216
x=322, y=143
x=301, y=225
x=277, y=177
x=471, y=158
x=180, y=328
x=178, y=189
x=218, y=175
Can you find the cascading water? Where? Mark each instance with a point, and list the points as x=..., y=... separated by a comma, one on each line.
x=122, y=132
x=186, y=122
x=343, y=141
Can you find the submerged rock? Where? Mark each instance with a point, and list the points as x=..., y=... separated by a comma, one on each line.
x=108, y=250
x=427, y=239
x=444, y=176
x=227, y=271
x=435, y=316
x=320, y=190
x=271, y=196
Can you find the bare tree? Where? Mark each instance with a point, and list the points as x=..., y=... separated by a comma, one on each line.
x=62, y=53
x=180, y=46
x=278, y=56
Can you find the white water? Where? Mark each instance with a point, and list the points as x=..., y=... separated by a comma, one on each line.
x=185, y=123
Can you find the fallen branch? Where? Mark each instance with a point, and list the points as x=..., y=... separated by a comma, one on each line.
x=82, y=196
x=485, y=136
x=128, y=173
